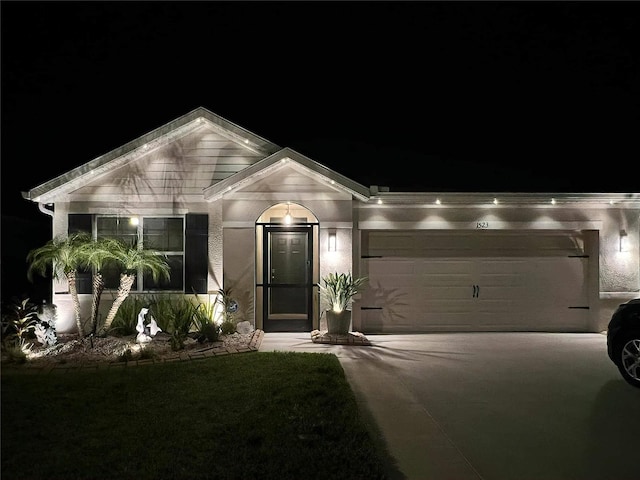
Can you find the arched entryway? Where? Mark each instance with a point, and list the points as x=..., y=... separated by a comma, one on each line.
x=287, y=269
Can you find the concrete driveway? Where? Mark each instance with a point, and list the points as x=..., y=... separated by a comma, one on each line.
x=492, y=406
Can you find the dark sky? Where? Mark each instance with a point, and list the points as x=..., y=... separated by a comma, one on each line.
x=418, y=96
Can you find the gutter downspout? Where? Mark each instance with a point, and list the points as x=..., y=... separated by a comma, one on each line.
x=43, y=208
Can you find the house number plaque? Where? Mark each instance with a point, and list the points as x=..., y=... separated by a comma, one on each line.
x=482, y=225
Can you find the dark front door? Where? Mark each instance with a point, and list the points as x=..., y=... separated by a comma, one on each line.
x=287, y=279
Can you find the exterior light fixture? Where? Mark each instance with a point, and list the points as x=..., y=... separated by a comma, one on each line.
x=287, y=217
x=553, y=201
x=624, y=241
x=332, y=240
x=438, y=202
x=495, y=201
x=379, y=201
x=135, y=221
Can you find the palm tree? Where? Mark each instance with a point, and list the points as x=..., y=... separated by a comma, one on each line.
x=97, y=255
x=65, y=256
x=131, y=259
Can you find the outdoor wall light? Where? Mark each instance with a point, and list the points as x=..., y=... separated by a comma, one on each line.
x=332, y=240
x=135, y=221
x=624, y=241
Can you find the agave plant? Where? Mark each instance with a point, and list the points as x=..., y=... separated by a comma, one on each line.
x=338, y=290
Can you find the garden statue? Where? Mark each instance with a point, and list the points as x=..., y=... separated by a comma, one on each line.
x=146, y=332
x=45, y=329
x=153, y=327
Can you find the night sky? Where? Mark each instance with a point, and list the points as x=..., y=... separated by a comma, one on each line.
x=417, y=96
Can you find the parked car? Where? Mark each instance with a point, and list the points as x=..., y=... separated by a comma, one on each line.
x=623, y=340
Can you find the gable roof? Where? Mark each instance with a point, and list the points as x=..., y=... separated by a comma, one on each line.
x=280, y=159
x=48, y=191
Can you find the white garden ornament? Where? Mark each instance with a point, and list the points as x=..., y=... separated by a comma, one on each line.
x=146, y=332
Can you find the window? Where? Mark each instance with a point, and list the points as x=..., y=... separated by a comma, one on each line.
x=164, y=234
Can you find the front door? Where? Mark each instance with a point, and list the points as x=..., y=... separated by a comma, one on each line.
x=288, y=279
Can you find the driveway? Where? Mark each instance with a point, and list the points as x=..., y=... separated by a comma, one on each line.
x=493, y=406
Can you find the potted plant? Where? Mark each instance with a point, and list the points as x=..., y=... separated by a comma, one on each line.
x=338, y=290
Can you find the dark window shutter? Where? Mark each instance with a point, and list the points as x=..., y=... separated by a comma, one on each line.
x=80, y=222
x=196, y=259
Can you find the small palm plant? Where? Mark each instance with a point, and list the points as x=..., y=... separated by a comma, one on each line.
x=130, y=259
x=65, y=256
x=338, y=290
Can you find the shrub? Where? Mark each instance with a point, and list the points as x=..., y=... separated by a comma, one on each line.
x=228, y=327
x=206, y=329
x=174, y=316
x=126, y=319
x=19, y=323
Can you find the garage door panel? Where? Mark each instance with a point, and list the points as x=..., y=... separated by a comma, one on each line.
x=512, y=282
x=446, y=266
x=379, y=267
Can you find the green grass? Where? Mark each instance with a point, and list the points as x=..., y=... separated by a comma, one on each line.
x=259, y=415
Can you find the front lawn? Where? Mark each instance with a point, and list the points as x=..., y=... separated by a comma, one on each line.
x=258, y=415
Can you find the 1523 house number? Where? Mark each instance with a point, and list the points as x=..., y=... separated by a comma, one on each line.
x=482, y=225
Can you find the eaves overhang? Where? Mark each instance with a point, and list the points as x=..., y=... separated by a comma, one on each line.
x=184, y=125
x=504, y=199
x=279, y=160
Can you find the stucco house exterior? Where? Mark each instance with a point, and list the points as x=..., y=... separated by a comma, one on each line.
x=233, y=210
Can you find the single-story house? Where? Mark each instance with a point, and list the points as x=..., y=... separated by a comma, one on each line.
x=233, y=210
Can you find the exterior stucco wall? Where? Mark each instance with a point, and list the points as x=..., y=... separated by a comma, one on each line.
x=239, y=270
x=620, y=271
x=216, y=249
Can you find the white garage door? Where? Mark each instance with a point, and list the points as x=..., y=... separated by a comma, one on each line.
x=474, y=281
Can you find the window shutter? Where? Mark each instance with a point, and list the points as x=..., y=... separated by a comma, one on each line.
x=81, y=222
x=196, y=258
